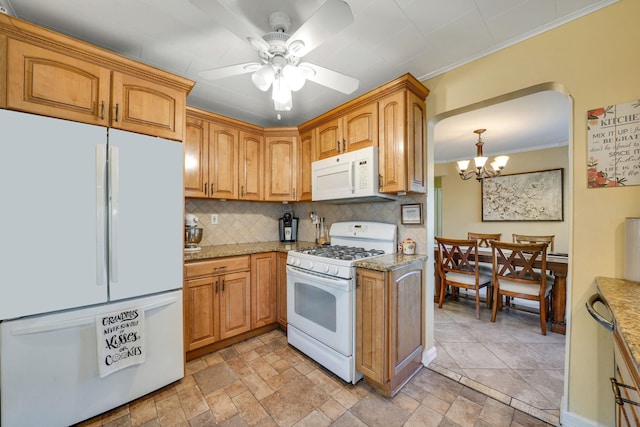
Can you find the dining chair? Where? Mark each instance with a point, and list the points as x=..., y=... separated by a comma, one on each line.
x=514, y=276
x=457, y=266
x=521, y=238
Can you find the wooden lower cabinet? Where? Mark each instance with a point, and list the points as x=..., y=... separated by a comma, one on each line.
x=229, y=299
x=627, y=384
x=390, y=325
x=263, y=289
x=217, y=300
x=282, y=289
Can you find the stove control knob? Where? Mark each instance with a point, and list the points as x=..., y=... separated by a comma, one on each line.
x=326, y=269
x=334, y=270
x=310, y=265
x=296, y=262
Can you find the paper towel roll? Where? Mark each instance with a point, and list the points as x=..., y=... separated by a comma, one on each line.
x=632, y=253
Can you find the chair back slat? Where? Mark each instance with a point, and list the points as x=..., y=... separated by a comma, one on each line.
x=484, y=239
x=457, y=255
x=522, y=238
x=515, y=262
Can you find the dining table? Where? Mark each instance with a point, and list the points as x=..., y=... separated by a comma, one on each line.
x=557, y=265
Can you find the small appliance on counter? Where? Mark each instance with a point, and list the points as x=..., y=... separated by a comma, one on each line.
x=192, y=233
x=288, y=227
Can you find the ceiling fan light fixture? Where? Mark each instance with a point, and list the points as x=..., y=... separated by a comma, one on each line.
x=281, y=95
x=294, y=77
x=263, y=77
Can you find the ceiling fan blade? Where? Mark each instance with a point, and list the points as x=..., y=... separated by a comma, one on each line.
x=332, y=79
x=238, y=25
x=231, y=70
x=332, y=17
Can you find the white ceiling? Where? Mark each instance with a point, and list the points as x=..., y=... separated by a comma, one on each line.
x=386, y=39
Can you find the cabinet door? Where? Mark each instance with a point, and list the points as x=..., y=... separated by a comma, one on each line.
x=416, y=147
x=360, y=128
x=371, y=336
x=391, y=163
x=281, y=168
x=307, y=156
x=201, y=319
x=329, y=137
x=196, y=166
x=263, y=289
x=51, y=84
x=235, y=304
x=251, y=166
x=143, y=106
x=626, y=376
x=282, y=289
x=405, y=322
x=223, y=162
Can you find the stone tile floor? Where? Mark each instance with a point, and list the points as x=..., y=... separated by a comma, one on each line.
x=509, y=359
x=265, y=382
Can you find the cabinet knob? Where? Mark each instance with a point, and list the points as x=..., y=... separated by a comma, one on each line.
x=102, y=110
x=117, y=111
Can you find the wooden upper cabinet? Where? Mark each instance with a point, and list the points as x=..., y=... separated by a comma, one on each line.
x=142, y=106
x=402, y=149
x=353, y=131
x=307, y=156
x=52, y=84
x=251, y=166
x=361, y=127
x=281, y=166
x=391, y=164
x=329, y=139
x=196, y=157
x=223, y=162
x=57, y=76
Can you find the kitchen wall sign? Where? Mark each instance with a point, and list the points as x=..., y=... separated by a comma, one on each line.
x=613, y=141
x=529, y=196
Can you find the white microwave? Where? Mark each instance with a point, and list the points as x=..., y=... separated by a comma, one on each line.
x=347, y=178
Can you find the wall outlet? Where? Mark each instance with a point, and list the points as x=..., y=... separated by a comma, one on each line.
x=214, y=218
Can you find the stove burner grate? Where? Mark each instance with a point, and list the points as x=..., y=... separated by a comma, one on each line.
x=347, y=253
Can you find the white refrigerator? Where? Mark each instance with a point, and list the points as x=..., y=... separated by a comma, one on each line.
x=91, y=245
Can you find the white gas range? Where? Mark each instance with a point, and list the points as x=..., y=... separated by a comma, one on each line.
x=320, y=293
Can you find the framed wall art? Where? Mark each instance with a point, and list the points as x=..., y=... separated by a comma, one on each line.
x=613, y=143
x=529, y=196
x=412, y=214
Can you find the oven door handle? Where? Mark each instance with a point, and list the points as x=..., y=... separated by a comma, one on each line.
x=336, y=283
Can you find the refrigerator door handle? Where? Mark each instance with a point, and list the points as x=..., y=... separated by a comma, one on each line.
x=87, y=320
x=101, y=199
x=114, y=193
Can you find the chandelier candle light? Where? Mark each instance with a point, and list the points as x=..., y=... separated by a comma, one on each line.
x=481, y=171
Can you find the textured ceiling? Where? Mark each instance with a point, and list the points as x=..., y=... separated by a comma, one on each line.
x=386, y=39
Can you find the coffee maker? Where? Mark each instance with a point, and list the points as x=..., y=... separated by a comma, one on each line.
x=288, y=227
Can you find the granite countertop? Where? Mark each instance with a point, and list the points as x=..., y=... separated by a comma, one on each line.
x=622, y=298
x=382, y=263
x=389, y=262
x=219, y=251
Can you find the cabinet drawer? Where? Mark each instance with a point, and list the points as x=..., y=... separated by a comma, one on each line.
x=216, y=266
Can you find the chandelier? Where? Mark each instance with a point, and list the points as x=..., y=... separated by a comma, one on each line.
x=481, y=170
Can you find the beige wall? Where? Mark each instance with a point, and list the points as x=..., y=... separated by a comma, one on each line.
x=596, y=59
x=462, y=207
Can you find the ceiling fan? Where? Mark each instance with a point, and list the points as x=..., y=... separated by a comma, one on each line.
x=280, y=52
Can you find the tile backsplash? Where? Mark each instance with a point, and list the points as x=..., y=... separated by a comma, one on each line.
x=246, y=222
